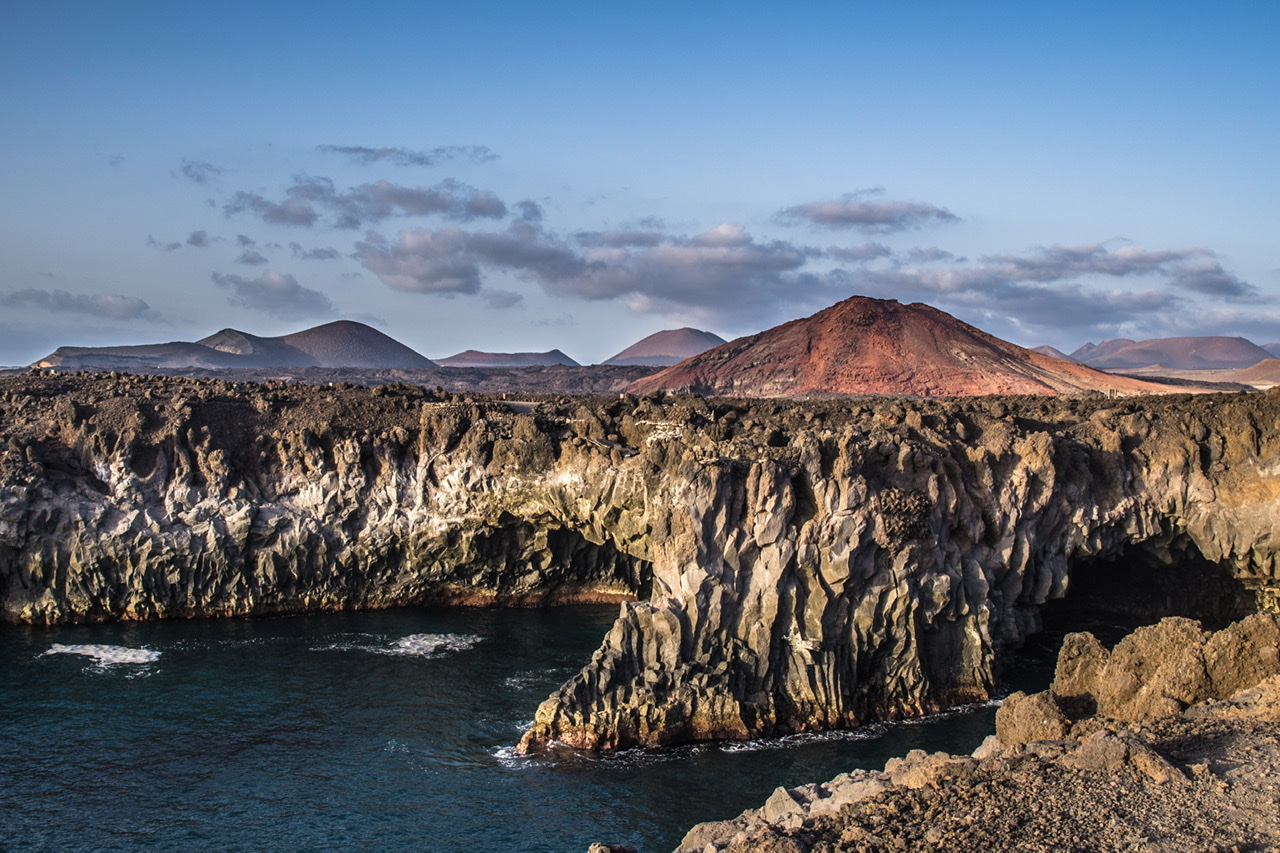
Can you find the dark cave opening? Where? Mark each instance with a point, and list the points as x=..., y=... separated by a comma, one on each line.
x=1114, y=595
x=1145, y=582
x=524, y=563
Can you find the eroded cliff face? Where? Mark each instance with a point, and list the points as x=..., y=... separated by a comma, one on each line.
x=799, y=566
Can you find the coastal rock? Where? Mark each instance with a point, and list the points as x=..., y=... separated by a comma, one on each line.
x=1157, y=670
x=781, y=566
x=1205, y=779
x=1261, y=702
x=1024, y=719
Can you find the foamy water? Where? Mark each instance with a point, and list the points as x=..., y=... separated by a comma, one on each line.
x=106, y=656
x=414, y=645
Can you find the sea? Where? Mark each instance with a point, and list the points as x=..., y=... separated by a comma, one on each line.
x=390, y=731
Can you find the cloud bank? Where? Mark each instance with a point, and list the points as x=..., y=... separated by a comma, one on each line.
x=310, y=197
x=406, y=157
x=275, y=294
x=856, y=212
x=111, y=306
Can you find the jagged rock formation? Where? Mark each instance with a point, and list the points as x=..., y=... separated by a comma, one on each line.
x=476, y=358
x=662, y=349
x=1200, y=774
x=879, y=346
x=343, y=343
x=798, y=566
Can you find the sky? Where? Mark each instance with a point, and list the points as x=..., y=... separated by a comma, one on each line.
x=511, y=176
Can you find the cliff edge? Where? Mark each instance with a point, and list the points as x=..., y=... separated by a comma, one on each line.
x=782, y=566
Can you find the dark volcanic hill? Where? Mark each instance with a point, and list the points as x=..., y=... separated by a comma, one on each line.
x=878, y=346
x=349, y=344
x=666, y=348
x=265, y=352
x=1274, y=349
x=476, y=358
x=341, y=344
x=1191, y=353
x=171, y=356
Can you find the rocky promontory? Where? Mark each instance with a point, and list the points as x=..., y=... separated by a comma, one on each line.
x=1170, y=742
x=784, y=566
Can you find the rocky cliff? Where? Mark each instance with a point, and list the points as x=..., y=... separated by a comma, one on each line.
x=795, y=566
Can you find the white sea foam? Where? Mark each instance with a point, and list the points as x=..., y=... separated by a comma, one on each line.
x=431, y=645
x=105, y=656
x=529, y=680
x=870, y=731
x=414, y=645
x=509, y=759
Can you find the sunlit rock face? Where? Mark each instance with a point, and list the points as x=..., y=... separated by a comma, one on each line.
x=785, y=566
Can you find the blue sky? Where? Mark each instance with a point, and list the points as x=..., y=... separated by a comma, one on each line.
x=514, y=176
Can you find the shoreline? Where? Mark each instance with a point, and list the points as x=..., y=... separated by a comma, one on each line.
x=1060, y=775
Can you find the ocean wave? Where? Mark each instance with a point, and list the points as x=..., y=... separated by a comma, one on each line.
x=413, y=645
x=106, y=656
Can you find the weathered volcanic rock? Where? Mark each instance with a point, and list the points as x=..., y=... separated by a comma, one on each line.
x=1207, y=778
x=1156, y=671
x=879, y=346
x=797, y=566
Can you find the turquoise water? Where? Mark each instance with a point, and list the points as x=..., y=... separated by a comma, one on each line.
x=381, y=731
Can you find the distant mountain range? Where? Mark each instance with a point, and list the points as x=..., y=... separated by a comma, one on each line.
x=879, y=346
x=476, y=358
x=858, y=346
x=662, y=349
x=1191, y=353
x=344, y=343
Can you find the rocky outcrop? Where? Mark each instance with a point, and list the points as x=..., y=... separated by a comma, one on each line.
x=1201, y=775
x=795, y=566
x=1156, y=671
